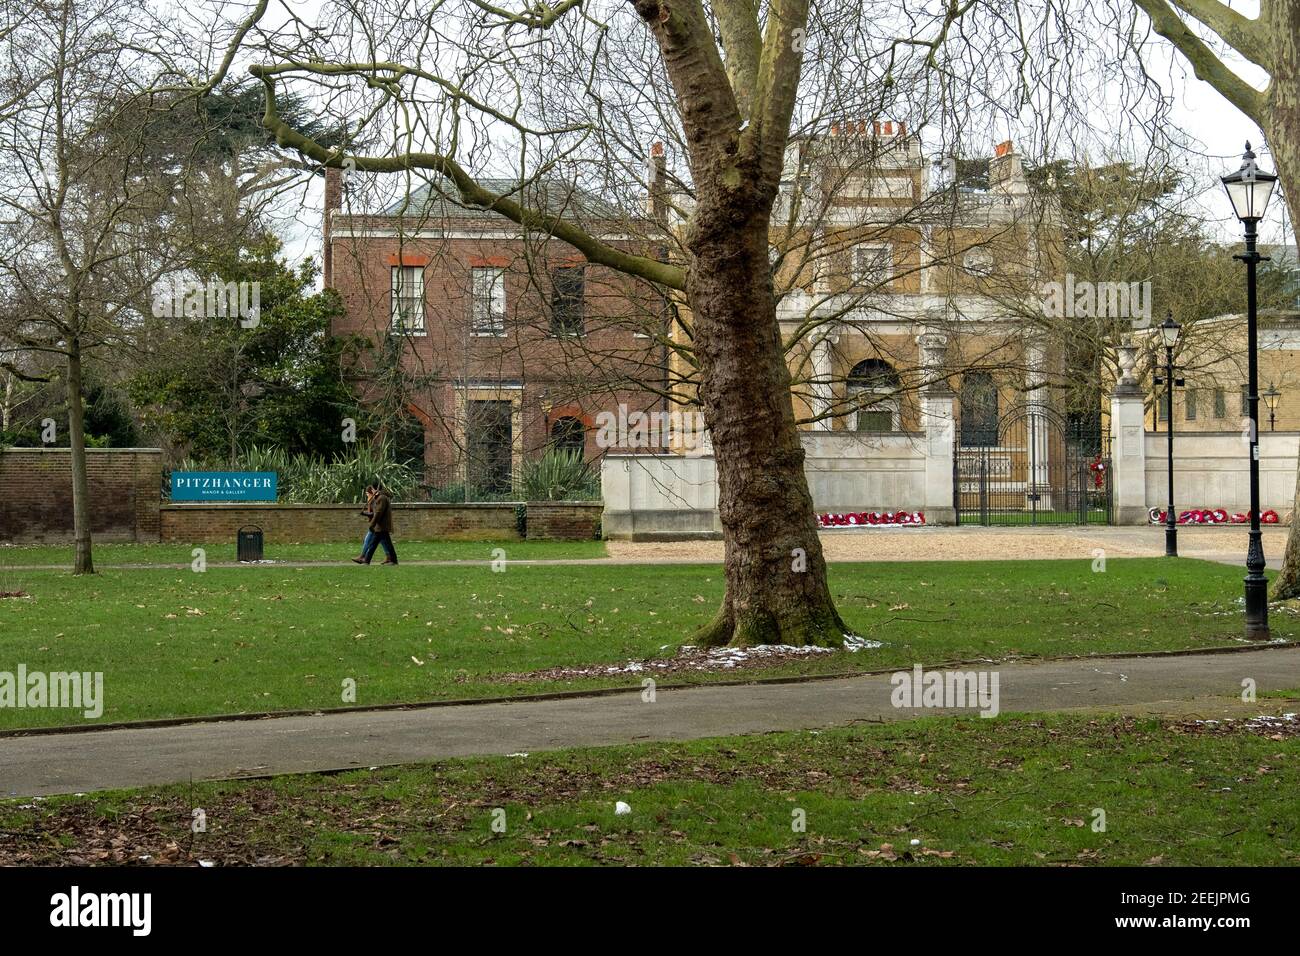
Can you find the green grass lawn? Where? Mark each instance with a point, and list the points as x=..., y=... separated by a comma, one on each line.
x=109, y=555
x=996, y=519
x=265, y=638
x=1022, y=790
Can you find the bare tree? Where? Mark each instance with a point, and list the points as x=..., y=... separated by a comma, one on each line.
x=443, y=93
x=1109, y=44
x=94, y=213
x=1272, y=42
x=735, y=117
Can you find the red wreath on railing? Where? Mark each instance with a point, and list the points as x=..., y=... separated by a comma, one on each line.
x=1098, y=469
x=1211, y=516
x=869, y=519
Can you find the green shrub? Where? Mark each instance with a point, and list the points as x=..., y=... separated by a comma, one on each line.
x=308, y=479
x=448, y=494
x=559, y=476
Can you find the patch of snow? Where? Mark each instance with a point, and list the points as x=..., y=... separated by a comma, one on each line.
x=723, y=657
x=691, y=658
x=853, y=643
x=1268, y=721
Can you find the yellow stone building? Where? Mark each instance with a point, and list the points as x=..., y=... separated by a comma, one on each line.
x=1210, y=358
x=899, y=277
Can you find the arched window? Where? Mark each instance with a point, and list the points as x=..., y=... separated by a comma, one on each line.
x=569, y=435
x=873, y=388
x=979, y=410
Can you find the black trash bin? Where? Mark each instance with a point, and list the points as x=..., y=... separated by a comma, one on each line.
x=248, y=543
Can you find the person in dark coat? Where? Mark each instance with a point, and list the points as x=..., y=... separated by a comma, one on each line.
x=381, y=527
x=367, y=513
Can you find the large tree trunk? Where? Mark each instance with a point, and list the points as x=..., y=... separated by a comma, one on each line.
x=1284, y=140
x=775, y=573
x=736, y=131
x=80, y=483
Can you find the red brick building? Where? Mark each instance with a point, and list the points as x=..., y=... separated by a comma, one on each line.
x=493, y=341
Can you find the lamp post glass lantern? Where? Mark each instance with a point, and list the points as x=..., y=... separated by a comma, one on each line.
x=1249, y=190
x=1270, y=397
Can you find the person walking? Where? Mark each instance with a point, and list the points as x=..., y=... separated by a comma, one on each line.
x=367, y=513
x=381, y=526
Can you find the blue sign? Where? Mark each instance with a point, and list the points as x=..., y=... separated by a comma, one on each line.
x=223, y=485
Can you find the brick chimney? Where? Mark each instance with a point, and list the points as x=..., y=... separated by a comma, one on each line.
x=333, y=202
x=878, y=128
x=1004, y=167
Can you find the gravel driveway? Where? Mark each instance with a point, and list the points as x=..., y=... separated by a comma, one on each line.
x=990, y=544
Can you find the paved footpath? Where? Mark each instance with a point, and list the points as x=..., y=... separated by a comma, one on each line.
x=78, y=762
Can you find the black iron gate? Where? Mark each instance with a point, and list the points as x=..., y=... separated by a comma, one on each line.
x=1038, y=469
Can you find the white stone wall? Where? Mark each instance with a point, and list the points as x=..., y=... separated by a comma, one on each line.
x=658, y=482
x=847, y=472
x=669, y=496
x=1212, y=470
x=673, y=496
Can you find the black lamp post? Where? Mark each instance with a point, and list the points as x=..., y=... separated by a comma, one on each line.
x=1270, y=397
x=1169, y=330
x=1249, y=190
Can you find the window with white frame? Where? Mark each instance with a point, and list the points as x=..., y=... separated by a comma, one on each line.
x=488, y=296
x=408, y=299
x=568, y=286
x=873, y=263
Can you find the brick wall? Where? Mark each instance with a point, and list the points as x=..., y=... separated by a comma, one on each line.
x=125, y=496
x=564, y=520
x=292, y=523
x=36, y=494
x=545, y=377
